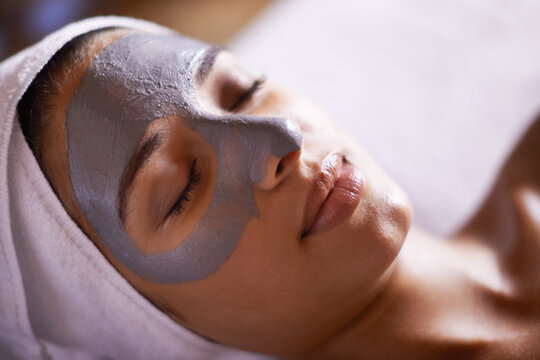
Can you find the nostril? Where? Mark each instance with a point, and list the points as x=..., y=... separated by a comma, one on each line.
x=287, y=161
x=279, y=167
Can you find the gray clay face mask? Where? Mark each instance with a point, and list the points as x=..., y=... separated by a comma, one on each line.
x=131, y=82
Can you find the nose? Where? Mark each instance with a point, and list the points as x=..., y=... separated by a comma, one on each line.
x=256, y=149
x=285, y=142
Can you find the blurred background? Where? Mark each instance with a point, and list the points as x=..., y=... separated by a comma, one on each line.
x=437, y=91
x=23, y=22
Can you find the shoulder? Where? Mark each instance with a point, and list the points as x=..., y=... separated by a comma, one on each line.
x=508, y=222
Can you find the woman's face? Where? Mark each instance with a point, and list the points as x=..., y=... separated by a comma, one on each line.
x=326, y=226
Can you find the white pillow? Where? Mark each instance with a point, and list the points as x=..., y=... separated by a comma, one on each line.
x=451, y=84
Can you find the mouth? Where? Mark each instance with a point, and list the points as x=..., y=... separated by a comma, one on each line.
x=335, y=194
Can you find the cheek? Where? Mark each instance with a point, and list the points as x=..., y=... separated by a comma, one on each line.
x=263, y=255
x=312, y=118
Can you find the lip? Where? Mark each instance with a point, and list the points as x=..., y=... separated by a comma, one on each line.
x=335, y=194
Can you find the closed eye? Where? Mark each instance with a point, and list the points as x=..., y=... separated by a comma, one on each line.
x=185, y=196
x=257, y=84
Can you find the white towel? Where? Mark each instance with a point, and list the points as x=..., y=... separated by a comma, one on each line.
x=59, y=296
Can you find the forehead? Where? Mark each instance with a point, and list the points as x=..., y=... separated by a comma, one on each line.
x=154, y=46
x=149, y=56
x=140, y=70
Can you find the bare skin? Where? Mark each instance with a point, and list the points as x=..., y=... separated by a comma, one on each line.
x=358, y=290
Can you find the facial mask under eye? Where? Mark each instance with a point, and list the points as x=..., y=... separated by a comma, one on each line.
x=131, y=82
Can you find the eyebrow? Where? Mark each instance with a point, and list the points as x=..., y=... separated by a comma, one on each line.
x=207, y=62
x=138, y=159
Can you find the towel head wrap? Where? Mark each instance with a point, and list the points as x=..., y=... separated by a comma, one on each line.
x=59, y=296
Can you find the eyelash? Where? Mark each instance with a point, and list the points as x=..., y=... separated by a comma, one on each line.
x=257, y=84
x=185, y=197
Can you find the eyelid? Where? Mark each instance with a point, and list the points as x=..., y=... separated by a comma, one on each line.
x=194, y=179
x=257, y=85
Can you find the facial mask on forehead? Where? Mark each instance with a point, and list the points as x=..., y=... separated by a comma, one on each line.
x=131, y=82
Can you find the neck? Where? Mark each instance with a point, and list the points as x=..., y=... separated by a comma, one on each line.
x=436, y=305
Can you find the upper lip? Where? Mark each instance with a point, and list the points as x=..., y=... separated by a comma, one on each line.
x=323, y=183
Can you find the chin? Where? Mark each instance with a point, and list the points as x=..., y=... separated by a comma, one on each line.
x=379, y=226
x=385, y=211
x=393, y=215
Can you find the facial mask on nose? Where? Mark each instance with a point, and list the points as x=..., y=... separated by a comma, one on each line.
x=131, y=82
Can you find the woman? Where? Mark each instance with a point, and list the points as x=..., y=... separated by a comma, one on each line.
x=237, y=209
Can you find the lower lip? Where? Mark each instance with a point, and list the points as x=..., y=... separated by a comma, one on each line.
x=342, y=200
